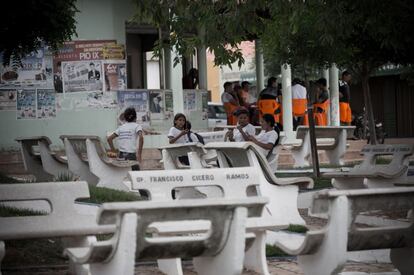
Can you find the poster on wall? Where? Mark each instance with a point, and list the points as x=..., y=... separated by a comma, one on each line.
x=189, y=100
x=115, y=76
x=156, y=104
x=204, y=104
x=46, y=103
x=35, y=69
x=82, y=76
x=83, y=50
x=168, y=104
x=137, y=99
x=8, y=99
x=26, y=104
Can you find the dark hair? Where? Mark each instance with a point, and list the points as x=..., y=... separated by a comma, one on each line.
x=90, y=64
x=226, y=84
x=188, y=125
x=270, y=81
x=322, y=81
x=345, y=73
x=244, y=83
x=177, y=116
x=297, y=81
x=270, y=119
x=130, y=114
x=241, y=111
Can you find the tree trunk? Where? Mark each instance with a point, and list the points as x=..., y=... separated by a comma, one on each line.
x=368, y=105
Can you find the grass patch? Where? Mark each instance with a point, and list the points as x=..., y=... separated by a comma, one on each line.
x=297, y=228
x=274, y=251
x=383, y=160
x=6, y=211
x=100, y=195
x=7, y=179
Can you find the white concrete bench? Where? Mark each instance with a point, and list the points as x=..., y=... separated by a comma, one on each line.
x=232, y=183
x=283, y=192
x=87, y=158
x=332, y=139
x=324, y=251
x=218, y=251
x=368, y=174
x=172, y=152
x=63, y=220
x=43, y=163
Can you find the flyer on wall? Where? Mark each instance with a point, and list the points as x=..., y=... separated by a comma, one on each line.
x=46, y=103
x=8, y=99
x=115, y=75
x=156, y=104
x=35, y=69
x=26, y=104
x=168, y=104
x=82, y=76
x=189, y=100
x=137, y=99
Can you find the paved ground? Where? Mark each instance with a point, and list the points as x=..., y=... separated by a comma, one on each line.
x=276, y=267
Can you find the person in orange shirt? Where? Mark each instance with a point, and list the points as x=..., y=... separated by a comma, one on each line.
x=299, y=103
x=230, y=103
x=345, y=113
x=321, y=104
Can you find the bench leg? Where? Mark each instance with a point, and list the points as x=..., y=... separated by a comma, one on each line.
x=230, y=260
x=78, y=166
x=78, y=242
x=301, y=155
x=2, y=252
x=403, y=260
x=123, y=261
x=335, y=155
x=33, y=164
x=51, y=165
x=332, y=253
x=170, y=266
x=255, y=256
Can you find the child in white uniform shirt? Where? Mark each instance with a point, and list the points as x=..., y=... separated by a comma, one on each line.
x=244, y=129
x=128, y=134
x=267, y=138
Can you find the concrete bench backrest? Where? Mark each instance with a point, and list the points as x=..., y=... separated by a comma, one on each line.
x=325, y=131
x=233, y=182
x=78, y=143
x=170, y=153
x=215, y=136
x=400, y=156
x=363, y=200
x=244, y=154
x=63, y=219
x=219, y=213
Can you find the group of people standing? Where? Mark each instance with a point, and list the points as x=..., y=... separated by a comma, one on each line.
x=269, y=101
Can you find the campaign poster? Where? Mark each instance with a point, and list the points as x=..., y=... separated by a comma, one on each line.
x=26, y=104
x=35, y=69
x=8, y=100
x=190, y=100
x=46, y=103
x=115, y=76
x=156, y=104
x=82, y=76
x=82, y=50
x=168, y=104
x=204, y=104
x=137, y=99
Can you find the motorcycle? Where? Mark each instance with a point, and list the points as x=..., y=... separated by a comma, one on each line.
x=362, y=129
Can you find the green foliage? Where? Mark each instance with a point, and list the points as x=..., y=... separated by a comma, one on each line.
x=25, y=25
x=274, y=251
x=297, y=228
x=188, y=24
x=6, y=211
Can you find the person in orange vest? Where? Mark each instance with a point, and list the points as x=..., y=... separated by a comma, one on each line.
x=269, y=100
x=299, y=102
x=345, y=113
x=230, y=102
x=320, y=107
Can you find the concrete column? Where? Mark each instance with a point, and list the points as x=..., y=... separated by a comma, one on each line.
x=167, y=68
x=326, y=76
x=287, y=102
x=202, y=67
x=259, y=67
x=334, y=95
x=176, y=74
